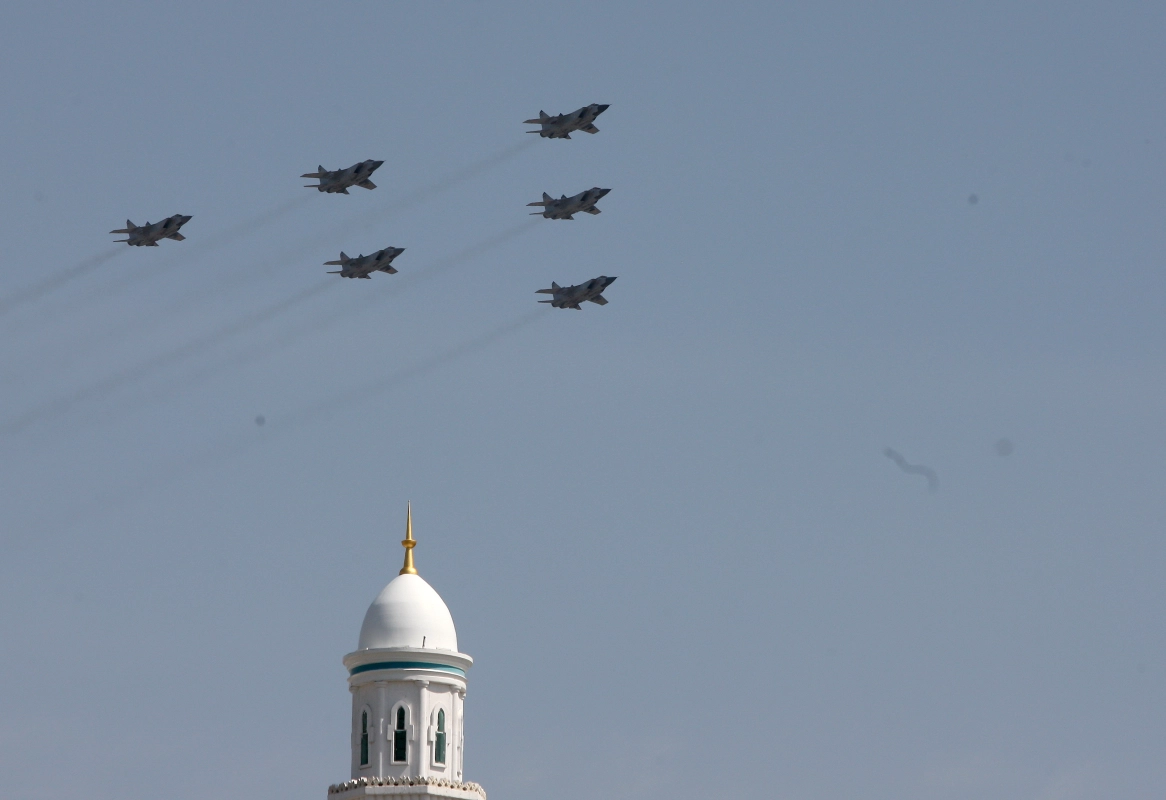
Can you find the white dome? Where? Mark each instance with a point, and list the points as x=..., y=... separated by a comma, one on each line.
x=408, y=613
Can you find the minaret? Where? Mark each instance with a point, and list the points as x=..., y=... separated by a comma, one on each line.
x=408, y=685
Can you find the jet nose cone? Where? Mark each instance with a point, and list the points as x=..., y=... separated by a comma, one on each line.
x=376, y=164
x=608, y=281
x=602, y=192
x=599, y=109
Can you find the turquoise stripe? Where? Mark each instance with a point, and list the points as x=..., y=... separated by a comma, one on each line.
x=406, y=665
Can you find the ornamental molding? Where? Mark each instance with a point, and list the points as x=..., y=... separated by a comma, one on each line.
x=439, y=783
x=407, y=663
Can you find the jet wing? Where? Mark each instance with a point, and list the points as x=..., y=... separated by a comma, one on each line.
x=589, y=128
x=178, y=237
x=593, y=210
x=598, y=300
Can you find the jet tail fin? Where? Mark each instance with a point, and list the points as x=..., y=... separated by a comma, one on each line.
x=335, y=272
x=554, y=288
x=127, y=229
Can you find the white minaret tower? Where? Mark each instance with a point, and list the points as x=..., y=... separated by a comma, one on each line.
x=408, y=684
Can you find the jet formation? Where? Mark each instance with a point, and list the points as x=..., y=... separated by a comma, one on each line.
x=566, y=207
x=339, y=181
x=560, y=126
x=572, y=296
x=148, y=235
x=363, y=266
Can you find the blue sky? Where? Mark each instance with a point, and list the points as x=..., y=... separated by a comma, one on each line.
x=665, y=527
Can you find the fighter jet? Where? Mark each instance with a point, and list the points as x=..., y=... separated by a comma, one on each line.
x=338, y=181
x=565, y=207
x=560, y=126
x=363, y=266
x=148, y=235
x=572, y=296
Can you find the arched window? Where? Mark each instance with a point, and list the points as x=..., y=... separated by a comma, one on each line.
x=439, y=743
x=364, y=738
x=400, y=743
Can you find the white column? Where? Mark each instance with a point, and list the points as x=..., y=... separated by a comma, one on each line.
x=459, y=736
x=421, y=730
x=377, y=729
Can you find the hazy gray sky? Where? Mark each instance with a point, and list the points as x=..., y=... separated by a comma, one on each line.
x=666, y=528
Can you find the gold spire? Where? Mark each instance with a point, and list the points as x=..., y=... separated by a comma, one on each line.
x=408, y=543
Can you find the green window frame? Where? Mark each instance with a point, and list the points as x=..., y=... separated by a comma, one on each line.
x=400, y=743
x=439, y=743
x=364, y=738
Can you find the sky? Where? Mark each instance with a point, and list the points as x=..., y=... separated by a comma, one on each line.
x=666, y=528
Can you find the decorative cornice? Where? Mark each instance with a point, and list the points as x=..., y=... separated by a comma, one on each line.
x=421, y=655
x=406, y=665
x=444, y=783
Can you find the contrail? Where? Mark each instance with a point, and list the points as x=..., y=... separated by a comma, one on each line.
x=914, y=469
x=401, y=376
x=206, y=244
x=108, y=385
x=161, y=266
x=288, y=336
x=48, y=284
x=434, y=269
x=251, y=224
x=469, y=172
x=371, y=217
x=160, y=478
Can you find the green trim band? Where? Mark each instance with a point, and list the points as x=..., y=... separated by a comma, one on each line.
x=406, y=665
